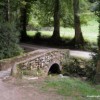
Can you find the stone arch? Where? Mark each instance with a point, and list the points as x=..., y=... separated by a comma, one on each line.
x=55, y=68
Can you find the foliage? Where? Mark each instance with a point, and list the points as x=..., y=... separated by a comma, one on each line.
x=9, y=41
x=96, y=9
x=9, y=8
x=27, y=4
x=80, y=67
x=98, y=14
x=44, y=16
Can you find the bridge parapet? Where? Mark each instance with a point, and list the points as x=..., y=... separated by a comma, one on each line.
x=43, y=61
x=39, y=60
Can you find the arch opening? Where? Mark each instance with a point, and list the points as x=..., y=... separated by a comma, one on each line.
x=54, y=69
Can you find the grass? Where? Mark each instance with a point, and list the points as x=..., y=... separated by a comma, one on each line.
x=90, y=32
x=71, y=87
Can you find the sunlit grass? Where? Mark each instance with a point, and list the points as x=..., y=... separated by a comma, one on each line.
x=75, y=88
x=90, y=32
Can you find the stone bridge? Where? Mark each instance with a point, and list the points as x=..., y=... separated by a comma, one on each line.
x=45, y=61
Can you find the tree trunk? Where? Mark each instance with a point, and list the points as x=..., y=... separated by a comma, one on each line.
x=23, y=23
x=97, y=76
x=56, y=32
x=6, y=10
x=79, y=40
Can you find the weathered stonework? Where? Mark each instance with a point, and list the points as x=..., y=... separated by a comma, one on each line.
x=8, y=63
x=39, y=60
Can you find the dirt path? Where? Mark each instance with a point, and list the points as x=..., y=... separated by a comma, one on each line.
x=11, y=89
x=15, y=91
x=6, y=73
x=81, y=54
x=75, y=53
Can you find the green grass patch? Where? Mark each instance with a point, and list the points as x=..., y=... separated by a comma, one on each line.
x=90, y=32
x=72, y=87
x=43, y=33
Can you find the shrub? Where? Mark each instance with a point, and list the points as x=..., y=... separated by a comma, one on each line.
x=9, y=41
x=91, y=46
x=80, y=67
x=37, y=35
